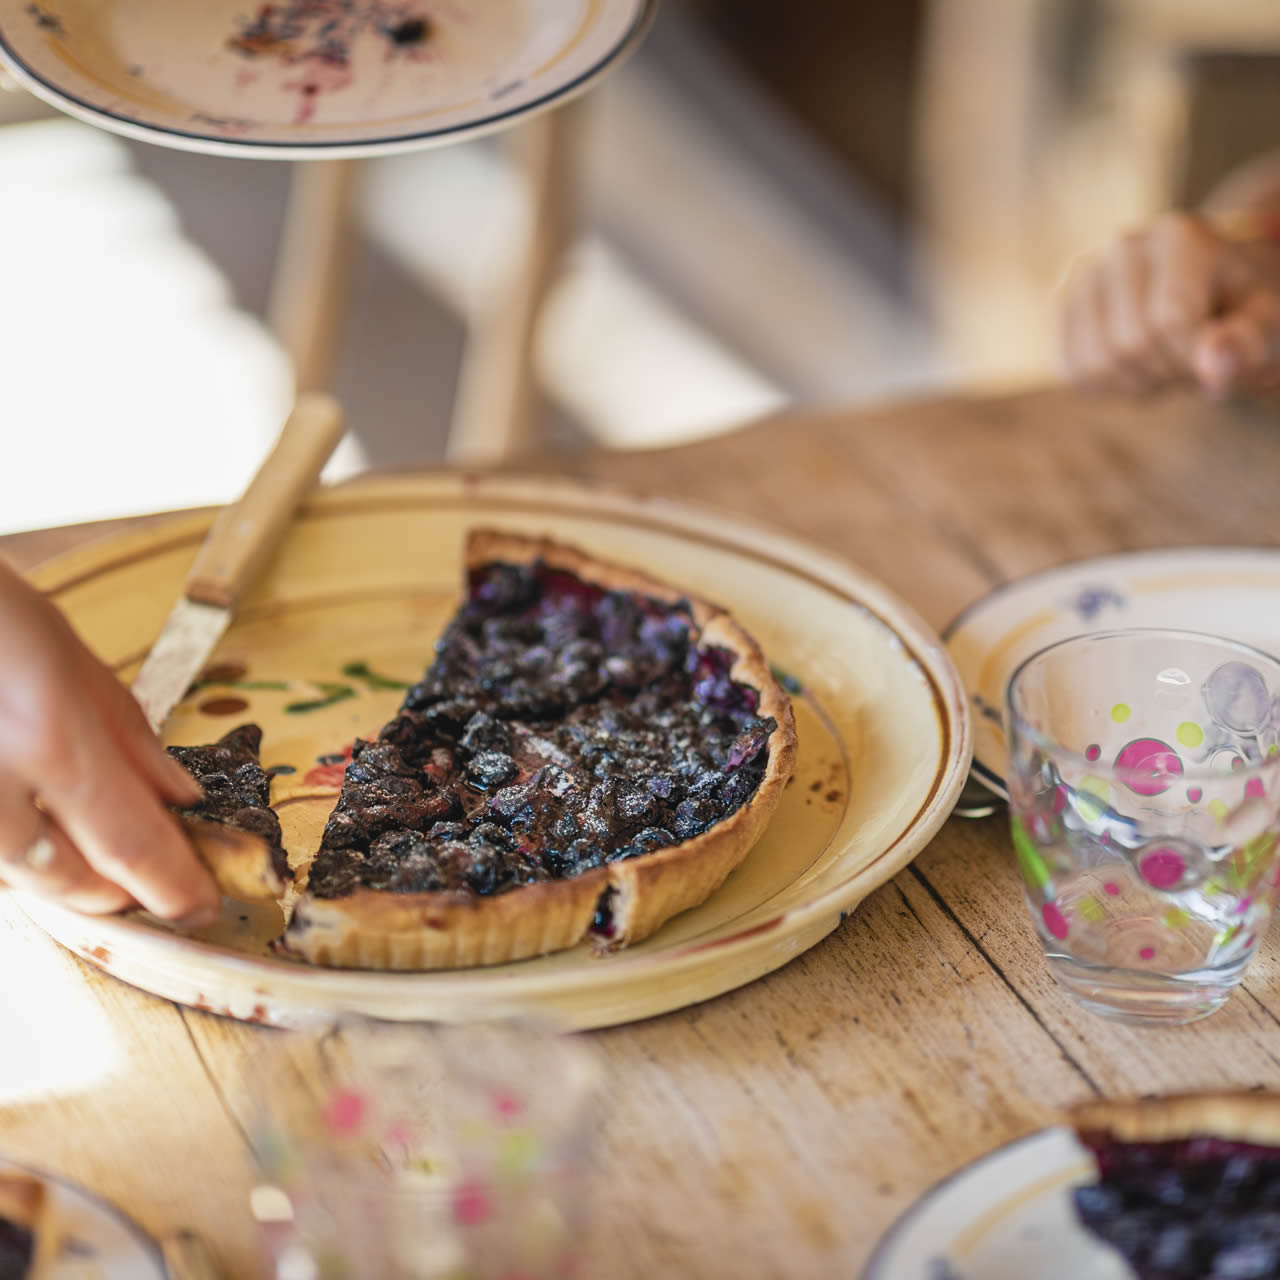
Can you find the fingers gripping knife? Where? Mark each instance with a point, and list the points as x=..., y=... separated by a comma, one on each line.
x=239, y=544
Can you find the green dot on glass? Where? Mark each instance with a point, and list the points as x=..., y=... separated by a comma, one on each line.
x=1030, y=863
x=1092, y=910
x=519, y=1152
x=1121, y=712
x=1092, y=797
x=1190, y=734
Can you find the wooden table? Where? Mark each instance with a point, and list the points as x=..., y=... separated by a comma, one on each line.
x=779, y=1129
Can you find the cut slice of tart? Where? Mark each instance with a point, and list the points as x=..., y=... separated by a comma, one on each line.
x=1188, y=1185
x=233, y=829
x=590, y=753
x=28, y=1234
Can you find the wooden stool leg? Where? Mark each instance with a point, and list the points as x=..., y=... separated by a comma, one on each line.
x=977, y=115
x=313, y=268
x=495, y=409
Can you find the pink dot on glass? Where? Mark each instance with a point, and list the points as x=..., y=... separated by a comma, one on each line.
x=346, y=1111
x=1162, y=868
x=1194, y=794
x=507, y=1104
x=1092, y=752
x=1236, y=765
x=1149, y=766
x=1254, y=788
x=1251, y=939
x=1054, y=921
x=1059, y=799
x=1148, y=953
x=1112, y=888
x=471, y=1204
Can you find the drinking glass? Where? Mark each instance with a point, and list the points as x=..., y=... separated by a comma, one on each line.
x=394, y=1151
x=1144, y=787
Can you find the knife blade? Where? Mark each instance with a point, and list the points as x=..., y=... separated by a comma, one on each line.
x=240, y=543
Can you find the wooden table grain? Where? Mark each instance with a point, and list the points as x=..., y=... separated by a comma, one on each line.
x=775, y=1131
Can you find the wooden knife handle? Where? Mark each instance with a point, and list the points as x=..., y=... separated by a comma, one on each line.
x=245, y=534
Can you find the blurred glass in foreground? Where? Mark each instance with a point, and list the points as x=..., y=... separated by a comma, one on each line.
x=411, y=1152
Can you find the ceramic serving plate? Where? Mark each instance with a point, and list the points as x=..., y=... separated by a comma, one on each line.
x=98, y=1241
x=1224, y=591
x=297, y=78
x=1007, y=1216
x=322, y=650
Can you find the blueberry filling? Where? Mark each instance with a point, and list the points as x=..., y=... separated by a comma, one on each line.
x=603, y=925
x=17, y=1248
x=561, y=726
x=1197, y=1209
x=237, y=790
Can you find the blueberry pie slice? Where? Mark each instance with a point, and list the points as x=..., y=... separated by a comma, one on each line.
x=28, y=1241
x=233, y=829
x=590, y=753
x=1188, y=1186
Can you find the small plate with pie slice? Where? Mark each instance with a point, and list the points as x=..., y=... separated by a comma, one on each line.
x=1007, y=1216
x=854, y=771
x=1159, y=1188
x=51, y=1229
x=300, y=79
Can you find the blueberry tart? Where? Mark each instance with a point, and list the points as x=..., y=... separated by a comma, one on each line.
x=590, y=753
x=233, y=829
x=1188, y=1186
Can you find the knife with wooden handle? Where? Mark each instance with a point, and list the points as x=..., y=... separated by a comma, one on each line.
x=240, y=543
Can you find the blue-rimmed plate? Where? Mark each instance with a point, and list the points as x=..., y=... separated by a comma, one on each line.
x=1226, y=591
x=302, y=78
x=97, y=1241
x=1007, y=1216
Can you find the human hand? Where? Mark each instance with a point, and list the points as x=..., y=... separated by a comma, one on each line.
x=1175, y=304
x=73, y=738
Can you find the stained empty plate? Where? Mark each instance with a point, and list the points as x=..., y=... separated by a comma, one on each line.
x=297, y=78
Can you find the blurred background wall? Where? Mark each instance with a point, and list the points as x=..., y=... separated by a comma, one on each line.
x=831, y=200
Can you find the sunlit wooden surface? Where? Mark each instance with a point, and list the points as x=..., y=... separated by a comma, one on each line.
x=778, y=1130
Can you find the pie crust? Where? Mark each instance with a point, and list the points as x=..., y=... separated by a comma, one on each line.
x=25, y=1201
x=378, y=929
x=239, y=861
x=1232, y=1117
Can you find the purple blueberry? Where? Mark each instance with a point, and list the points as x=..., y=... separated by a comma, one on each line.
x=488, y=770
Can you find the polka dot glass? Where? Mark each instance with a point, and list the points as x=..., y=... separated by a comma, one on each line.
x=1144, y=787
x=412, y=1152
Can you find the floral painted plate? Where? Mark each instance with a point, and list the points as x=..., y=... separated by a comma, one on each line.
x=304, y=78
x=98, y=1241
x=325, y=645
x=1232, y=592
x=1007, y=1216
